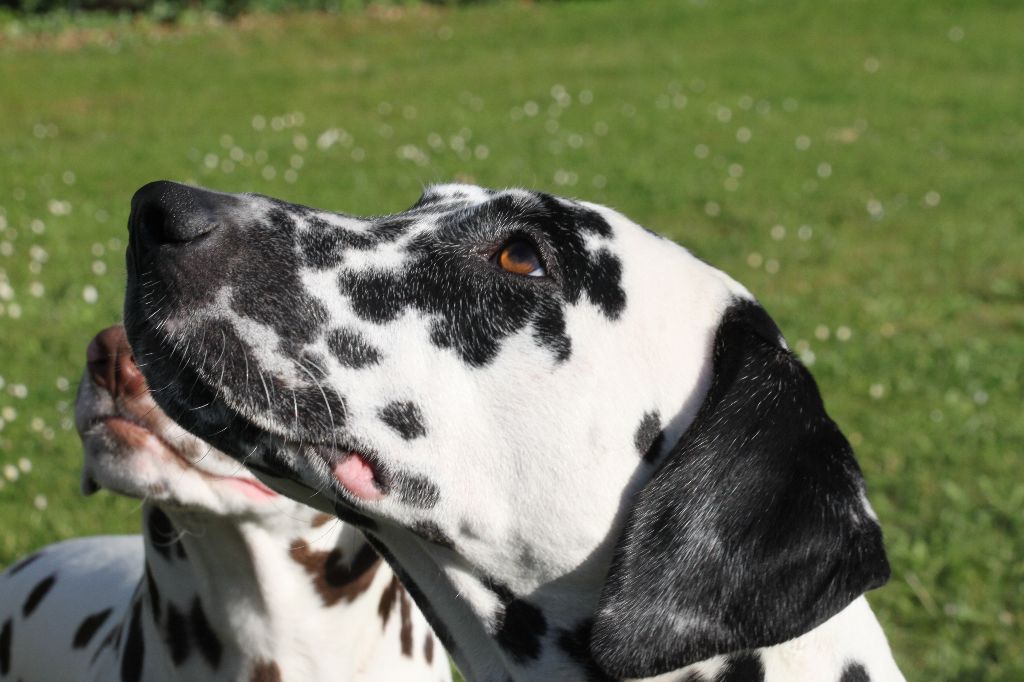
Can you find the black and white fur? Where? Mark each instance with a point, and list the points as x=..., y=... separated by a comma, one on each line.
x=611, y=469
x=228, y=580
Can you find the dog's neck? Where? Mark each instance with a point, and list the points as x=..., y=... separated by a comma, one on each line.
x=491, y=632
x=545, y=635
x=233, y=599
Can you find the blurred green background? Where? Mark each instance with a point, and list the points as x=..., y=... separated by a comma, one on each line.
x=857, y=164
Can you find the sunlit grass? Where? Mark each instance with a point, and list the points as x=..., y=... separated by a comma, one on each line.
x=855, y=164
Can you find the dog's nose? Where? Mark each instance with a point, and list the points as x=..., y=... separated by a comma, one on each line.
x=111, y=364
x=165, y=212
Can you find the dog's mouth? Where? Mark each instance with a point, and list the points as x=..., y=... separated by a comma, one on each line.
x=355, y=474
x=137, y=436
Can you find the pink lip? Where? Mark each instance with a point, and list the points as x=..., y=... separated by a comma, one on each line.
x=356, y=474
x=251, y=488
x=138, y=436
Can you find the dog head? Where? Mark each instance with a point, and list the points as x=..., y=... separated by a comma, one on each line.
x=532, y=394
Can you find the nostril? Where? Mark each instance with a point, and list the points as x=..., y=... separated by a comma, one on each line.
x=94, y=353
x=129, y=376
x=99, y=357
x=151, y=220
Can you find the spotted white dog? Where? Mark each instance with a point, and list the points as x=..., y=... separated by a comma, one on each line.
x=588, y=454
x=229, y=581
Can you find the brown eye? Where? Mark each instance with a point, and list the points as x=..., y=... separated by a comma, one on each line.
x=520, y=258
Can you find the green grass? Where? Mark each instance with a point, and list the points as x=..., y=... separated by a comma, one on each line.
x=884, y=138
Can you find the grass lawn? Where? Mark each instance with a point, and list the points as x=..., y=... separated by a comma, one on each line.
x=856, y=164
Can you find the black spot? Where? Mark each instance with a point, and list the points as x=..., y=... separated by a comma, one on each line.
x=576, y=644
x=602, y=284
x=176, y=635
x=351, y=350
x=414, y=489
x=405, y=418
x=692, y=676
x=649, y=436
x=23, y=563
x=520, y=625
x=743, y=667
x=134, y=648
x=855, y=672
x=37, y=594
x=88, y=628
x=162, y=534
x=323, y=245
x=154, y=592
x=430, y=531
x=6, y=633
x=204, y=636
x=521, y=629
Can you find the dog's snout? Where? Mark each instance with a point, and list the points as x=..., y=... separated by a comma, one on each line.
x=112, y=365
x=166, y=212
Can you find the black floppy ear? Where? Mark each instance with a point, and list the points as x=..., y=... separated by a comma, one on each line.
x=754, y=530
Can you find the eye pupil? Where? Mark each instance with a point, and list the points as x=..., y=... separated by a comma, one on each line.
x=519, y=257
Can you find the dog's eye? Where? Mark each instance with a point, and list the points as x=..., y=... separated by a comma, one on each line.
x=519, y=257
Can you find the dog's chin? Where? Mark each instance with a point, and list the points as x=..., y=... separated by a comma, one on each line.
x=110, y=465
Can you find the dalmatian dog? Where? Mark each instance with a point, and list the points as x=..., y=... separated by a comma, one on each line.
x=229, y=580
x=588, y=454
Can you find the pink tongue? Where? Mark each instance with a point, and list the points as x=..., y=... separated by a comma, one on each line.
x=356, y=475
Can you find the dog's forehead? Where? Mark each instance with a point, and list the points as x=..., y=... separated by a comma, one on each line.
x=452, y=205
x=447, y=206
x=454, y=195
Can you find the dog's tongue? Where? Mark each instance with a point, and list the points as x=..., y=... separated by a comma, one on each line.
x=356, y=474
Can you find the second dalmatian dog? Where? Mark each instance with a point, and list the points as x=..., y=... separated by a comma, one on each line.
x=589, y=454
x=229, y=581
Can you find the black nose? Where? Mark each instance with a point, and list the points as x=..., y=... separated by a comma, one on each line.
x=166, y=212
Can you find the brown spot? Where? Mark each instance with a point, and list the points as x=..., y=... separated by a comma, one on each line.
x=387, y=600
x=428, y=648
x=321, y=519
x=266, y=672
x=406, y=633
x=333, y=579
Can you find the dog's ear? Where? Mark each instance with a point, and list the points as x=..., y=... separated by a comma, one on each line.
x=754, y=530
